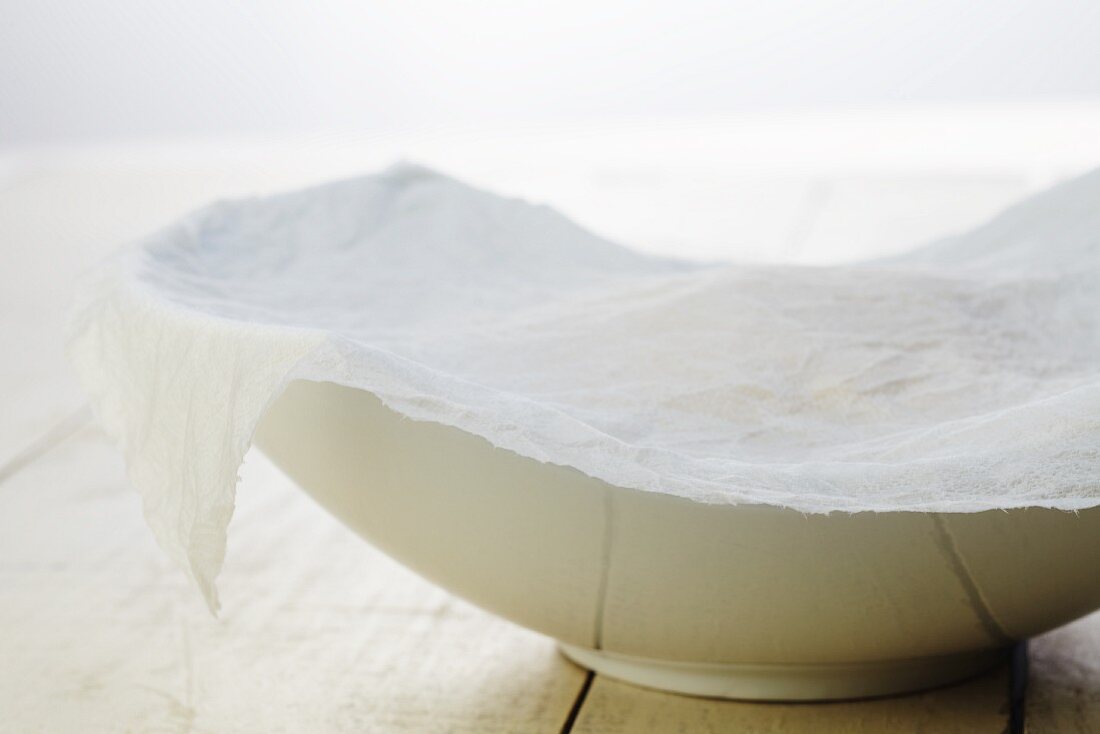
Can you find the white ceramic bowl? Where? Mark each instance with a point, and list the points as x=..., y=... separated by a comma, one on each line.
x=734, y=601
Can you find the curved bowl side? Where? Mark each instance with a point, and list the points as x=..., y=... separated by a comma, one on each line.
x=648, y=575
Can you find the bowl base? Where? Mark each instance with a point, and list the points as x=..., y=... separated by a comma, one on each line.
x=787, y=682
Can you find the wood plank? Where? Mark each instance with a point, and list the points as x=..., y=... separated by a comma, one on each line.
x=973, y=707
x=319, y=632
x=1063, y=695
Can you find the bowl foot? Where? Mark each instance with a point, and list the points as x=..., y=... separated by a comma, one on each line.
x=787, y=682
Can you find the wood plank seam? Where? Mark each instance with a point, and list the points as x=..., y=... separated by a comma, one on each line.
x=47, y=441
x=814, y=203
x=578, y=703
x=1017, y=689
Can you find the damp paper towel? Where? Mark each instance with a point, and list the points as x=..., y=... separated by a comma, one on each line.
x=960, y=377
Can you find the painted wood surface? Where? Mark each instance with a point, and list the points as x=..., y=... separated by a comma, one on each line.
x=1063, y=695
x=974, y=707
x=319, y=632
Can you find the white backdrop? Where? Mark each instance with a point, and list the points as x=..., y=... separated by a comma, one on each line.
x=101, y=70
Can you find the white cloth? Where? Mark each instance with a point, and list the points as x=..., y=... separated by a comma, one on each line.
x=962, y=377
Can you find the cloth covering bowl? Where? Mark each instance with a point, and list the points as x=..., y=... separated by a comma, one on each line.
x=753, y=481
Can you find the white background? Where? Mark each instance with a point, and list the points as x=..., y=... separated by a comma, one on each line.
x=110, y=70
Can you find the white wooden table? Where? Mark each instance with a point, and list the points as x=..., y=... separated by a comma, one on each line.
x=320, y=632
